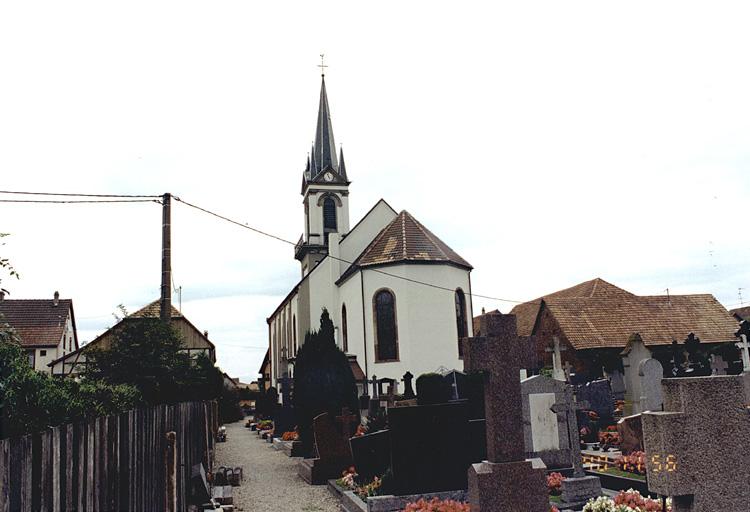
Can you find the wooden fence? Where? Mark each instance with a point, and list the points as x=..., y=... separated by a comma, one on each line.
x=109, y=463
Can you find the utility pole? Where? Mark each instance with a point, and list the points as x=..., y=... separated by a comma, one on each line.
x=165, y=304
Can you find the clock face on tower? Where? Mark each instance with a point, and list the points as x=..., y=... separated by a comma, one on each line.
x=328, y=176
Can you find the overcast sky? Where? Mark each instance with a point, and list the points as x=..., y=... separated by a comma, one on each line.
x=548, y=143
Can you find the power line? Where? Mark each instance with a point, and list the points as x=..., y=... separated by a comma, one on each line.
x=74, y=195
x=383, y=272
x=78, y=201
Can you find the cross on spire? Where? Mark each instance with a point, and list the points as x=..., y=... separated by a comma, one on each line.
x=322, y=64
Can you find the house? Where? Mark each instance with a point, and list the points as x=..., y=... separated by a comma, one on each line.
x=264, y=382
x=45, y=327
x=741, y=314
x=593, y=321
x=370, y=278
x=194, y=341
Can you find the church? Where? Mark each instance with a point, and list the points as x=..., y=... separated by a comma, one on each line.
x=399, y=297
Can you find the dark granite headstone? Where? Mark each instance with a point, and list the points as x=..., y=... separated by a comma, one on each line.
x=478, y=440
x=457, y=382
x=429, y=447
x=630, y=429
x=599, y=397
x=408, y=388
x=283, y=421
x=333, y=451
x=371, y=454
x=199, y=489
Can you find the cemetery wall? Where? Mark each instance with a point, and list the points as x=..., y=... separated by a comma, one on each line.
x=108, y=463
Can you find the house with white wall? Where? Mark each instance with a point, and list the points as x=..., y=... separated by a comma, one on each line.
x=399, y=297
x=46, y=328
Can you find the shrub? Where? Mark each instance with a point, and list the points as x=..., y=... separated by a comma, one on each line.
x=437, y=505
x=323, y=380
x=432, y=389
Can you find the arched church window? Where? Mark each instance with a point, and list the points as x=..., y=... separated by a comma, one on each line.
x=386, y=331
x=294, y=333
x=460, y=301
x=329, y=214
x=344, y=329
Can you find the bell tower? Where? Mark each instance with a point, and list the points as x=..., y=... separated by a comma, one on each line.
x=325, y=191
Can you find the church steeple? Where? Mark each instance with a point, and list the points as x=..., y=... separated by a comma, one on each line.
x=325, y=187
x=325, y=146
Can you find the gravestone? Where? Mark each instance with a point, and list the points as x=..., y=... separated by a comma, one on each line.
x=429, y=447
x=200, y=492
x=578, y=489
x=371, y=454
x=333, y=451
x=506, y=481
x=630, y=429
x=635, y=352
x=347, y=420
x=408, y=388
x=283, y=421
x=617, y=383
x=697, y=450
x=457, y=382
x=558, y=372
x=718, y=365
x=743, y=334
x=599, y=397
x=545, y=433
x=650, y=373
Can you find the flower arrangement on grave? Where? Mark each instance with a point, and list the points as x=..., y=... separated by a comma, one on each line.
x=633, y=463
x=290, y=436
x=554, y=509
x=437, y=505
x=347, y=478
x=554, y=483
x=265, y=425
x=361, y=430
x=609, y=439
x=619, y=406
x=370, y=489
x=625, y=501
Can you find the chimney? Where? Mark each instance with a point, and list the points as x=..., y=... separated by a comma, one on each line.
x=205, y=334
x=56, y=299
x=2, y=295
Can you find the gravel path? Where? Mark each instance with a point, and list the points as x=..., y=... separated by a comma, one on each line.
x=271, y=483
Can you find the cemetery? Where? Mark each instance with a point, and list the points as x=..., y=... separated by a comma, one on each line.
x=490, y=438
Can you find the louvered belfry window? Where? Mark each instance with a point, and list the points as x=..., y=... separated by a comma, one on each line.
x=329, y=215
x=344, y=329
x=385, y=325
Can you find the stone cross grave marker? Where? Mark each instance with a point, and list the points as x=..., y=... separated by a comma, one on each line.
x=408, y=389
x=578, y=489
x=558, y=372
x=718, y=365
x=506, y=481
x=697, y=450
x=568, y=369
x=374, y=382
x=346, y=419
x=743, y=345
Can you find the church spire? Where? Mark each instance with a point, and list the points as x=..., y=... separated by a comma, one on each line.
x=325, y=146
x=342, y=166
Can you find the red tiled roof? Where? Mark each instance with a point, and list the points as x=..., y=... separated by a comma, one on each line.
x=598, y=314
x=38, y=322
x=598, y=322
x=526, y=313
x=406, y=240
x=741, y=313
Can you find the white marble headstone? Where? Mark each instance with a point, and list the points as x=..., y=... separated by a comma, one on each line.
x=544, y=434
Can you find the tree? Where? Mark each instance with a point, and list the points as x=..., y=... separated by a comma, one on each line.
x=6, y=266
x=145, y=353
x=323, y=380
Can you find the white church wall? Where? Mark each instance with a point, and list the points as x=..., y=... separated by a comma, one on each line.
x=364, y=232
x=426, y=321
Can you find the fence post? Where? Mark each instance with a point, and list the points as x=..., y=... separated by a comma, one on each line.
x=170, y=473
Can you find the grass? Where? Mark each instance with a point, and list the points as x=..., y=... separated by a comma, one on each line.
x=619, y=472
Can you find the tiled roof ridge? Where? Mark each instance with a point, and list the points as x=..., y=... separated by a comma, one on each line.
x=402, y=216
